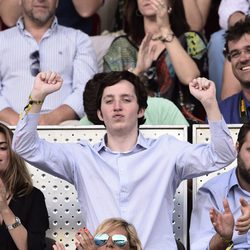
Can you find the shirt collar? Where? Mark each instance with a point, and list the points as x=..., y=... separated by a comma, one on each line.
x=20, y=24
x=141, y=143
x=233, y=181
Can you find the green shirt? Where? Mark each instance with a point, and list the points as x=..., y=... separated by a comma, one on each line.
x=160, y=111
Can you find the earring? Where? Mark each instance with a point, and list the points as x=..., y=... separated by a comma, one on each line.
x=169, y=10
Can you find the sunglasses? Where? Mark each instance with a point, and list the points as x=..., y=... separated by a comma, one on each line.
x=35, y=65
x=117, y=239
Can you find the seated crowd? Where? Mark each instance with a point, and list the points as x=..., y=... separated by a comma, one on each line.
x=152, y=72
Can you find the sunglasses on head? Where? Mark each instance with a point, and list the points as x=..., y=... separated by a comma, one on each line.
x=117, y=239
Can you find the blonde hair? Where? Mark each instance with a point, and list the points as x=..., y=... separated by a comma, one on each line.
x=16, y=177
x=114, y=223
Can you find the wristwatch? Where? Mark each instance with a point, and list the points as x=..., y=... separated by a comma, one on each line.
x=229, y=243
x=167, y=38
x=14, y=225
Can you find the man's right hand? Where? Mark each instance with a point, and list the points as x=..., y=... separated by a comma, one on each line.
x=223, y=222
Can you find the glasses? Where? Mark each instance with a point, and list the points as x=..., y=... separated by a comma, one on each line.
x=117, y=239
x=235, y=54
x=35, y=65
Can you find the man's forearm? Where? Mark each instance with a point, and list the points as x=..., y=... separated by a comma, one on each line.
x=9, y=116
x=213, y=111
x=217, y=243
x=58, y=115
x=235, y=17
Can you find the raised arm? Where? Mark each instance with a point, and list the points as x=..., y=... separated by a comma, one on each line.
x=204, y=90
x=51, y=157
x=177, y=53
x=231, y=11
x=45, y=84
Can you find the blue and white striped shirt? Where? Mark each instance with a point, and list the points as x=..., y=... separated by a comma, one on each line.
x=64, y=50
x=211, y=194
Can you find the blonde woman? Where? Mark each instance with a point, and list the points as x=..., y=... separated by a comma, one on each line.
x=114, y=233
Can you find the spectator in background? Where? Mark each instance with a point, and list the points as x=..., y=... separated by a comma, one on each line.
x=39, y=43
x=236, y=108
x=160, y=111
x=78, y=14
x=187, y=7
x=158, y=28
x=230, y=11
x=230, y=84
x=23, y=213
x=113, y=233
x=223, y=200
x=125, y=162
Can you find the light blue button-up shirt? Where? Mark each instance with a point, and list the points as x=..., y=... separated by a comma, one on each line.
x=64, y=50
x=137, y=185
x=211, y=194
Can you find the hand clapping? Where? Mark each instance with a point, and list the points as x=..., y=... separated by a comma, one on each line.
x=3, y=194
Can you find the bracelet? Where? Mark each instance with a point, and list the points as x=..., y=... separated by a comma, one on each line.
x=14, y=225
x=27, y=108
x=31, y=101
x=168, y=38
x=229, y=243
x=131, y=70
x=230, y=246
x=165, y=39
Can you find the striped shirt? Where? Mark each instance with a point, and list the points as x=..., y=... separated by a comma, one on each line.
x=64, y=50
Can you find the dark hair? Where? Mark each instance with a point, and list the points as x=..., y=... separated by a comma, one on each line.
x=94, y=88
x=16, y=177
x=235, y=32
x=245, y=128
x=133, y=20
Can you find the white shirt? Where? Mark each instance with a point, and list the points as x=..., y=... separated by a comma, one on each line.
x=64, y=50
x=228, y=7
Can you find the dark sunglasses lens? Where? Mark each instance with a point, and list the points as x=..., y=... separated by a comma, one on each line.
x=35, y=65
x=101, y=239
x=34, y=70
x=119, y=240
x=34, y=55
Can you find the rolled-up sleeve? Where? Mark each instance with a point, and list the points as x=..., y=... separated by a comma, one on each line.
x=222, y=144
x=228, y=7
x=84, y=67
